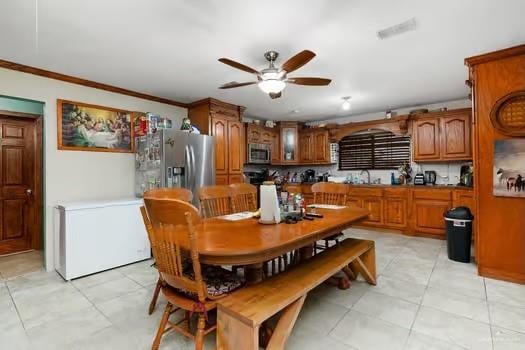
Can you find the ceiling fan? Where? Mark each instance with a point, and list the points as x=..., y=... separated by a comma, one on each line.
x=272, y=80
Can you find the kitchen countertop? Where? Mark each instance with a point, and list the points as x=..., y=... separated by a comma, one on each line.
x=443, y=187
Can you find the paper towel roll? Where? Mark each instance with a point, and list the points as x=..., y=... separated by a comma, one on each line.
x=270, y=211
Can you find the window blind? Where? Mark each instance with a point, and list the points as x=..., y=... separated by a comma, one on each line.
x=373, y=150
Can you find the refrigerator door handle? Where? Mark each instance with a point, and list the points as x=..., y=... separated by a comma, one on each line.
x=187, y=165
x=192, y=168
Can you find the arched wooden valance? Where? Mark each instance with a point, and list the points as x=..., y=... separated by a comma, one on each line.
x=397, y=126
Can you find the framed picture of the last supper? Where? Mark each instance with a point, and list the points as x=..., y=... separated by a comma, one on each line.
x=85, y=127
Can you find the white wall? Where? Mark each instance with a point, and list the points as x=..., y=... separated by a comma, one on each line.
x=453, y=104
x=73, y=175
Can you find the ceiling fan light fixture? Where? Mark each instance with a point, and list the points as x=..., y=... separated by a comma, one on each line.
x=346, y=103
x=272, y=86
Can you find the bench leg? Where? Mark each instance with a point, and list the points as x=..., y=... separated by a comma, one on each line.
x=285, y=325
x=366, y=266
x=233, y=334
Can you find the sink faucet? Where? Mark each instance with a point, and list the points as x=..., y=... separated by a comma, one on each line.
x=367, y=173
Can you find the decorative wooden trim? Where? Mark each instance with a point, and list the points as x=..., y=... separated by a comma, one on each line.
x=20, y=114
x=495, y=115
x=93, y=149
x=396, y=125
x=89, y=83
x=495, y=55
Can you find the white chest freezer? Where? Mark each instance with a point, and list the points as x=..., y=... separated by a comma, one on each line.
x=98, y=235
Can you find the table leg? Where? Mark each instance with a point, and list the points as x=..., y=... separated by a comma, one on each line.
x=254, y=273
x=306, y=252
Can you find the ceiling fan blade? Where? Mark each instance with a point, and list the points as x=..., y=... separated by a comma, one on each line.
x=235, y=84
x=238, y=65
x=297, y=61
x=309, y=81
x=275, y=95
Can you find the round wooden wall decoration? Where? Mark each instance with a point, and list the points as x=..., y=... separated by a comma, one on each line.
x=508, y=114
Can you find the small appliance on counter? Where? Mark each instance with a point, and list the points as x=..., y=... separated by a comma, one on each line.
x=308, y=176
x=419, y=179
x=430, y=177
x=466, y=176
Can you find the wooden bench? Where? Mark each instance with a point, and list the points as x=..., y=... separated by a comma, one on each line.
x=240, y=314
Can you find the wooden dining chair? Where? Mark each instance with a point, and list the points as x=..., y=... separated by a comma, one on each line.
x=243, y=197
x=215, y=200
x=333, y=194
x=166, y=193
x=186, y=284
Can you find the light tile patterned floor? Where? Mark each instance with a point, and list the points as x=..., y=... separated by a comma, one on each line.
x=422, y=301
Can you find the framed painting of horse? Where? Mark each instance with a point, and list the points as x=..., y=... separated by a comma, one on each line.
x=509, y=168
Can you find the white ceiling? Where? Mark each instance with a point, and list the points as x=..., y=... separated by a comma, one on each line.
x=170, y=48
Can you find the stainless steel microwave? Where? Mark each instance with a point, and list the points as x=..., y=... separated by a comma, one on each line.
x=259, y=153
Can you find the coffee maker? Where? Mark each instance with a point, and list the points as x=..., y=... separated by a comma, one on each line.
x=466, y=175
x=430, y=177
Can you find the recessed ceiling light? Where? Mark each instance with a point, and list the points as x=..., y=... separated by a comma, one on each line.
x=295, y=111
x=346, y=103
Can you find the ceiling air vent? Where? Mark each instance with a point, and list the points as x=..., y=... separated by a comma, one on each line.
x=397, y=29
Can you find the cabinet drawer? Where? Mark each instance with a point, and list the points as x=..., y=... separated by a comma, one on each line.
x=365, y=191
x=444, y=195
x=392, y=192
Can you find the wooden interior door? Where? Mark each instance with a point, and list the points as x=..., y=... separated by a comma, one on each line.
x=19, y=178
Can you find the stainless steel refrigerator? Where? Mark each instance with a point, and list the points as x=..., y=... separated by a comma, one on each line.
x=172, y=158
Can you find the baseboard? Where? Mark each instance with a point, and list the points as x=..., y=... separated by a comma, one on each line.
x=514, y=277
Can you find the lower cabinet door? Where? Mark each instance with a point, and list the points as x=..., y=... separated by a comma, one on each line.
x=375, y=205
x=395, y=212
x=354, y=202
x=427, y=216
x=235, y=179
x=221, y=179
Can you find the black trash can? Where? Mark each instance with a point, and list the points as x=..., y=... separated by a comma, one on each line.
x=459, y=233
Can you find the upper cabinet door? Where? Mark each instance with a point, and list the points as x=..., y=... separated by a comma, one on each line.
x=426, y=143
x=321, y=151
x=235, y=147
x=275, y=147
x=306, y=147
x=289, y=146
x=455, y=137
x=253, y=134
x=219, y=128
x=266, y=136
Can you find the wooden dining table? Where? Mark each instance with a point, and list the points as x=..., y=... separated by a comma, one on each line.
x=248, y=243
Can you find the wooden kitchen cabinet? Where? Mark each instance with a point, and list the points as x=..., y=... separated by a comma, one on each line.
x=314, y=146
x=321, y=146
x=426, y=143
x=456, y=137
x=289, y=142
x=375, y=205
x=236, y=147
x=442, y=136
x=275, y=149
x=428, y=208
x=219, y=129
x=306, y=151
x=222, y=120
x=395, y=212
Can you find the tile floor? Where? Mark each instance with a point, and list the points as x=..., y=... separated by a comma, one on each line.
x=21, y=264
x=422, y=301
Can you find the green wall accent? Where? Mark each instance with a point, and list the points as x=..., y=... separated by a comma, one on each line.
x=14, y=104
